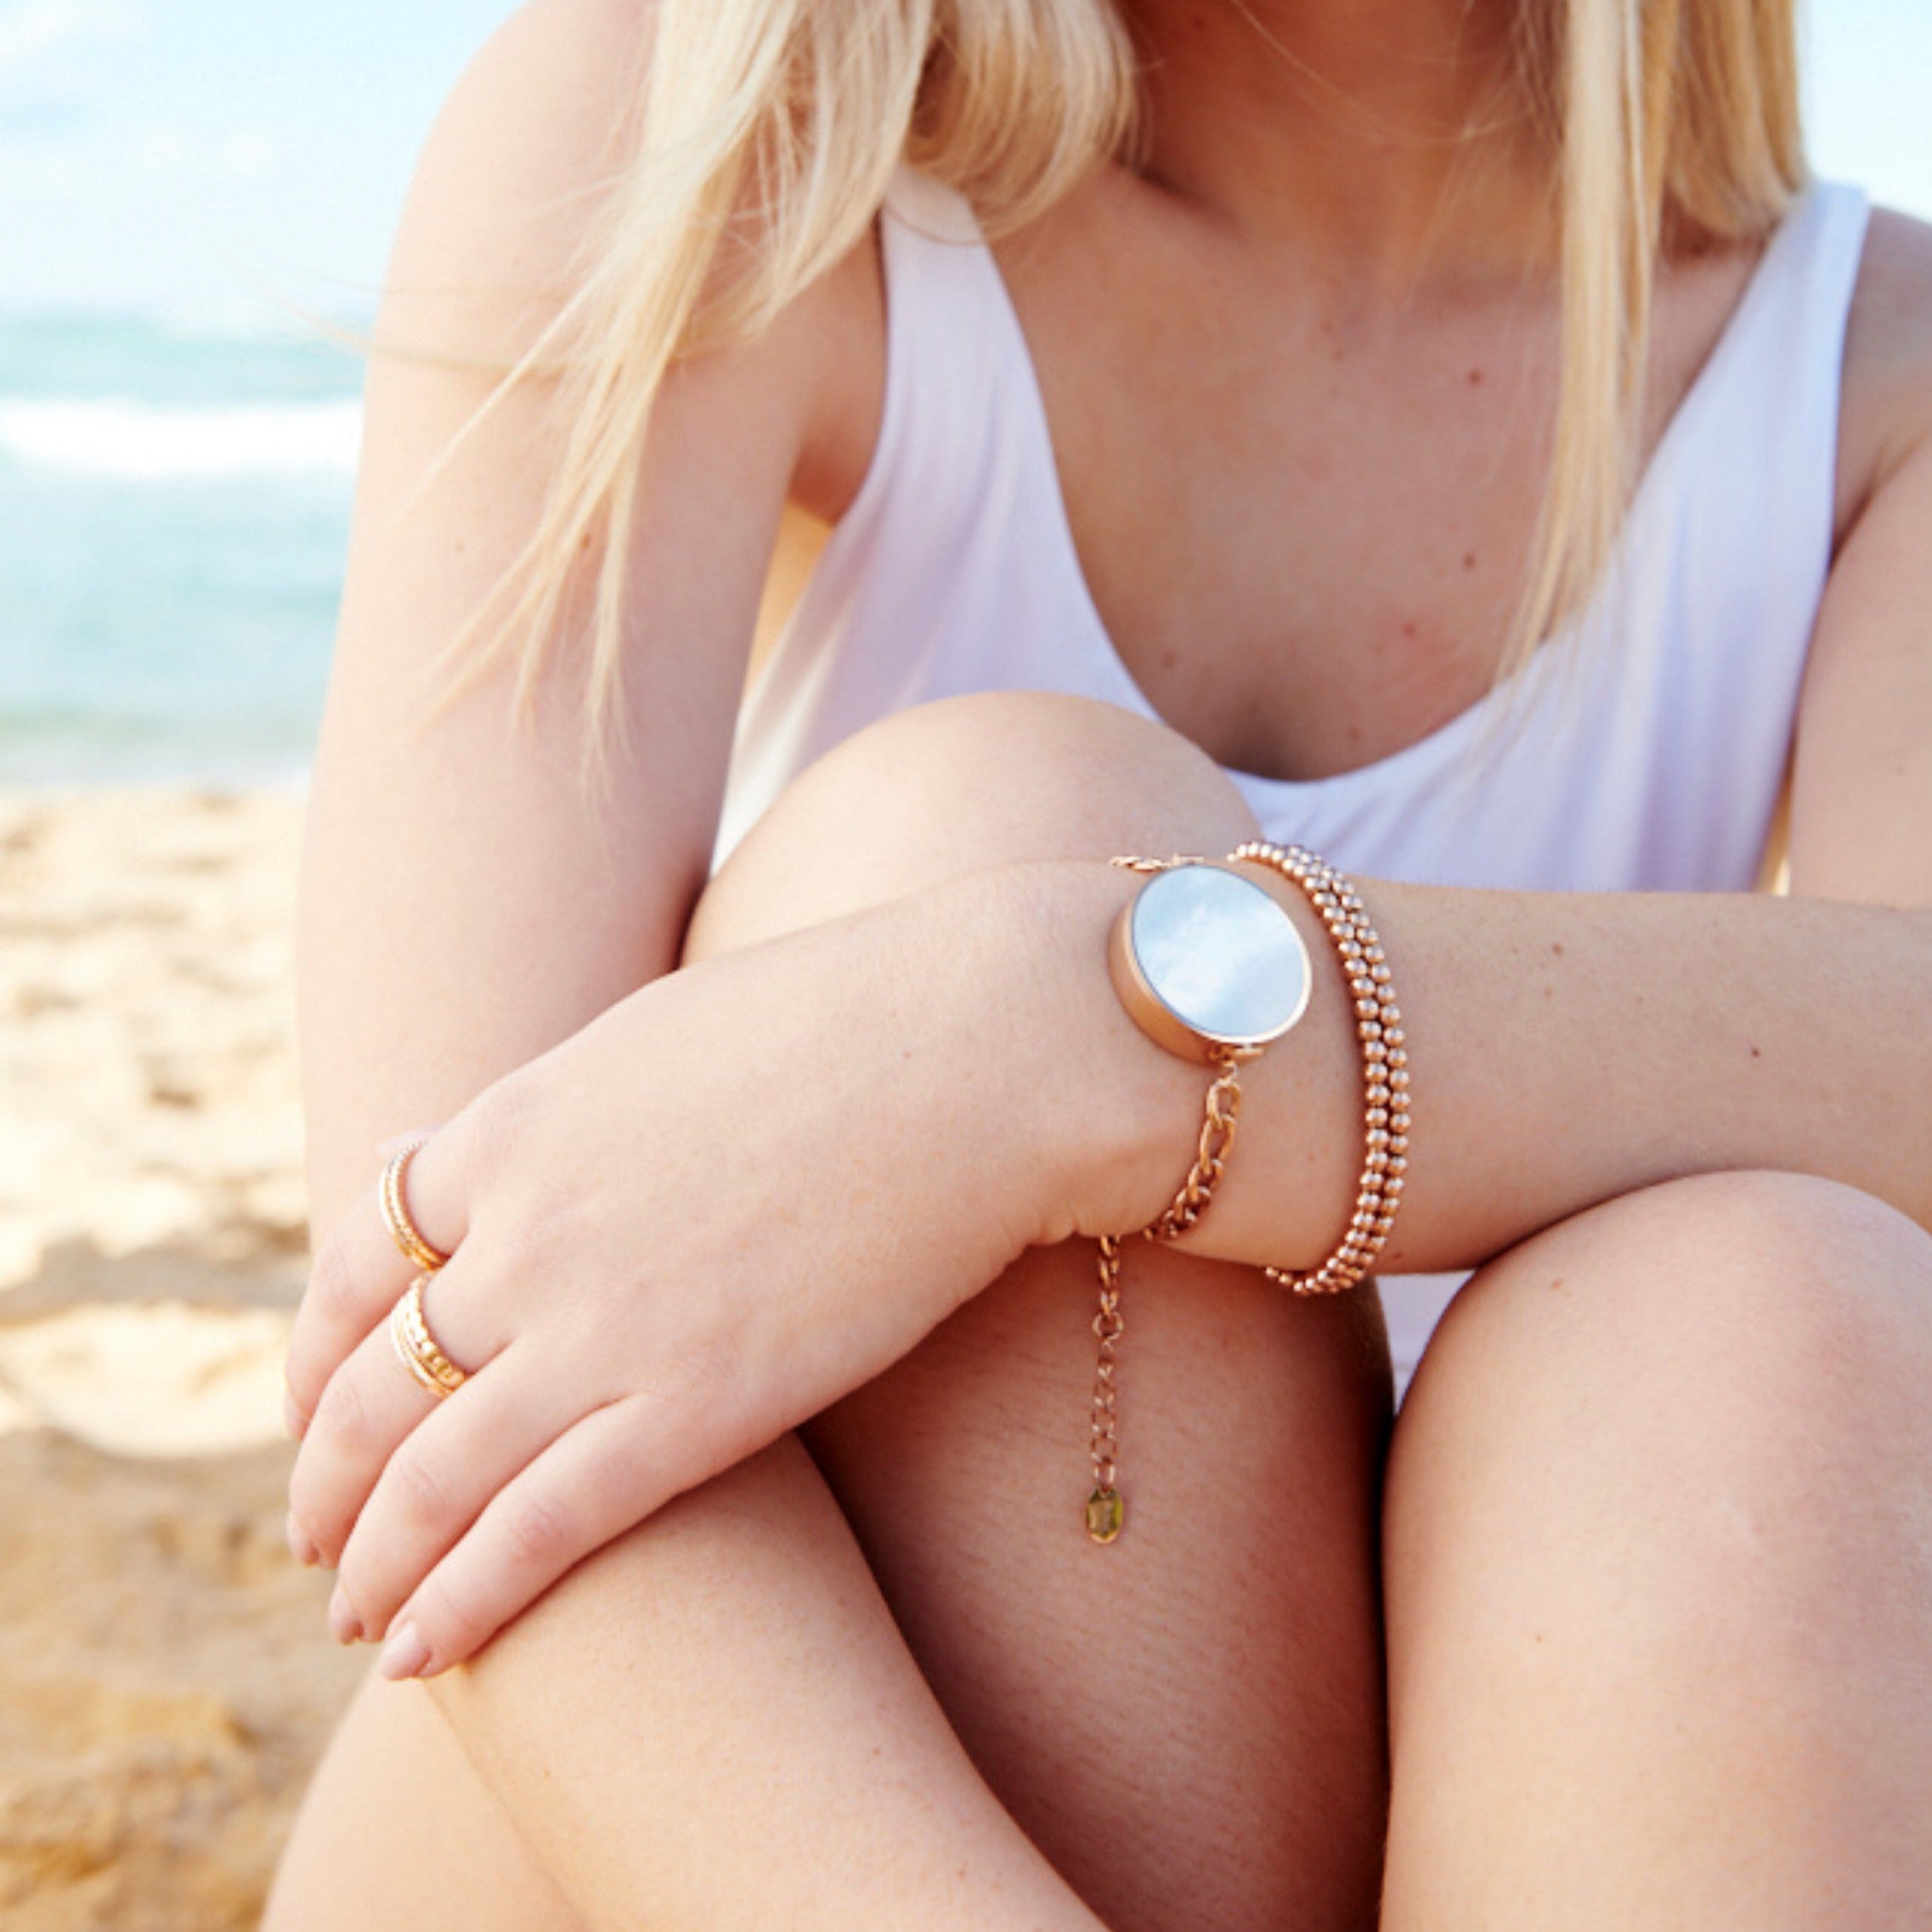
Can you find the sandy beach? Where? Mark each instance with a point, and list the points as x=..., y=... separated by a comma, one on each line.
x=165, y=1680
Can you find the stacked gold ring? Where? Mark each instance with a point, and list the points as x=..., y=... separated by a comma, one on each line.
x=403, y=1231
x=416, y=1349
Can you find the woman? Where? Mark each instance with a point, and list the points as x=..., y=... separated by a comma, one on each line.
x=1294, y=397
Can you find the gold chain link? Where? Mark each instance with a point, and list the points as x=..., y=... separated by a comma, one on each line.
x=1106, y=1511
x=1104, y=1505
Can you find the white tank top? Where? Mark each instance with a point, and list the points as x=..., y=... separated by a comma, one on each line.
x=1643, y=747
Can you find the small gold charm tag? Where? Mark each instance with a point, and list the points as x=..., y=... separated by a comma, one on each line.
x=1107, y=1513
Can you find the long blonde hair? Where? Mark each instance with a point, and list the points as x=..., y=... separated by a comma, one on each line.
x=769, y=129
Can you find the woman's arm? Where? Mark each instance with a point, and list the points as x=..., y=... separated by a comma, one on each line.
x=803, y=1155
x=1861, y=820
x=466, y=902
x=1566, y=1050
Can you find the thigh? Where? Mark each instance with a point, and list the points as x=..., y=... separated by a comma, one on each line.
x=398, y=1834
x=1189, y=1722
x=1658, y=1552
x=710, y=1726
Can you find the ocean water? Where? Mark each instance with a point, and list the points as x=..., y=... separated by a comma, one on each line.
x=173, y=515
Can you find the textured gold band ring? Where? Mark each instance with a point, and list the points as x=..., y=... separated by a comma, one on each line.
x=403, y=1231
x=416, y=1347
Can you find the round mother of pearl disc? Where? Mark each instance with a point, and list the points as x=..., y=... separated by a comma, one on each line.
x=1220, y=954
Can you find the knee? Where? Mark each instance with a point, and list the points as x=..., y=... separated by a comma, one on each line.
x=1766, y=1327
x=959, y=786
x=998, y=776
x=1702, y=1404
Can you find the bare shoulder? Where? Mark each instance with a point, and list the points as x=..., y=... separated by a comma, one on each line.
x=516, y=170
x=1887, y=411
x=506, y=211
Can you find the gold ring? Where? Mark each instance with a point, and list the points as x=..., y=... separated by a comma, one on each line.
x=416, y=1346
x=403, y=1231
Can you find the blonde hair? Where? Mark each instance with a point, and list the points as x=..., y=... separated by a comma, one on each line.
x=769, y=129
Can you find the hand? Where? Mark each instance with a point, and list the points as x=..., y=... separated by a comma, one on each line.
x=732, y=1199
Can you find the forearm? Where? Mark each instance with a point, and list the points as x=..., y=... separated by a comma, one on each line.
x=1565, y=1048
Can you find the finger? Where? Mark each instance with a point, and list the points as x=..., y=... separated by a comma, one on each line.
x=370, y=1405
x=588, y=1487
x=359, y=1271
x=397, y=1142
x=442, y=1476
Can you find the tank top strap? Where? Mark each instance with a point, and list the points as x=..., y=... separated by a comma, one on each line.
x=1712, y=597
x=926, y=207
x=955, y=416
x=1761, y=423
x=940, y=578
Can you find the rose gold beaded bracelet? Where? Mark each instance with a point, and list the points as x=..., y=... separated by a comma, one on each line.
x=1225, y=1037
x=1384, y=1066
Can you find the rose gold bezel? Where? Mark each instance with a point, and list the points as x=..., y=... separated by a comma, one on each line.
x=1159, y=1020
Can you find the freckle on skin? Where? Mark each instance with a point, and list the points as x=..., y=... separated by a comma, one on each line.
x=1409, y=630
x=1469, y=560
x=1557, y=947
x=1757, y=1052
x=1475, y=379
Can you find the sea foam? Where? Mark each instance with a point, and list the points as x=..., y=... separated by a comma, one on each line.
x=149, y=443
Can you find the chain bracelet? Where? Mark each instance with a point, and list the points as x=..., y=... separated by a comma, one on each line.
x=1106, y=1511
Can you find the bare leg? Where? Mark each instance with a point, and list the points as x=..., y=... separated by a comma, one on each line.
x=397, y=1830
x=1660, y=1563
x=712, y=1725
x=1189, y=1723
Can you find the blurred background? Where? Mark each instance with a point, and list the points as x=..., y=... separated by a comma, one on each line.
x=177, y=180
x=183, y=183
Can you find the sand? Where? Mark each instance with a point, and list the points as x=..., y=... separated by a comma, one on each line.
x=166, y=1680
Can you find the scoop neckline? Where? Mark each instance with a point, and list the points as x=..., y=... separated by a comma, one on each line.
x=1552, y=653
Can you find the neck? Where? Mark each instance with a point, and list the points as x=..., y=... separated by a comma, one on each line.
x=1385, y=134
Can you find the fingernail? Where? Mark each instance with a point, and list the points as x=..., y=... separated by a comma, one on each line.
x=293, y=1419
x=404, y=1655
x=344, y=1626
x=301, y=1545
